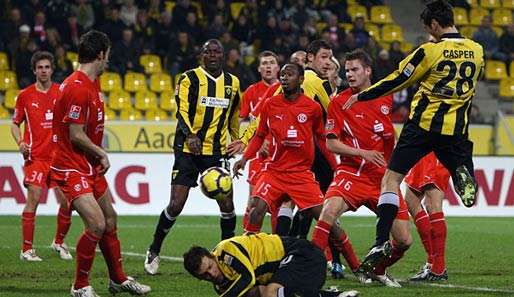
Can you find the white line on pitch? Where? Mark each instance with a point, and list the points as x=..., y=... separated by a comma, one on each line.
x=477, y=289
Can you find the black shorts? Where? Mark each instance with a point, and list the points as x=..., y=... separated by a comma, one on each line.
x=303, y=269
x=187, y=167
x=452, y=151
x=322, y=171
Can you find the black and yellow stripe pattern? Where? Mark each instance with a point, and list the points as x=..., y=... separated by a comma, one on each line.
x=447, y=72
x=209, y=108
x=248, y=260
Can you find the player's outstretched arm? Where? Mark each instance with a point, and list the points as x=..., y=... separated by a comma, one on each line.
x=79, y=139
x=340, y=148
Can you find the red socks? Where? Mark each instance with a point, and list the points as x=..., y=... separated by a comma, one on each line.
x=111, y=250
x=396, y=255
x=438, y=241
x=252, y=228
x=63, y=224
x=246, y=217
x=27, y=226
x=320, y=234
x=85, y=256
x=344, y=246
x=425, y=233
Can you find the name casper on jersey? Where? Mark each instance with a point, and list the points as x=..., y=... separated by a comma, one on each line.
x=214, y=102
x=457, y=54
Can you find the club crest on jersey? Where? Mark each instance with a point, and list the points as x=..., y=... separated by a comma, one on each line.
x=77, y=187
x=74, y=112
x=228, y=259
x=329, y=125
x=302, y=118
x=228, y=90
x=384, y=109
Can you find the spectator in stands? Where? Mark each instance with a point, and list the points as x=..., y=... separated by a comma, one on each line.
x=369, y=3
x=63, y=66
x=234, y=65
x=57, y=11
x=71, y=33
x=181, y=12
x=12, y=26
x=125, y=53
x=243, y=30
x=114, y=26
x=145, y=29
x=155, y=9
x=23, y=67
x=383, y=65
x=191, y=27
x=338, y=8
x=182, y=56
x=165, y=35
x=268, y=33
x=228, y=42
x=486, y=36
x=359, y=32
x=30, y=8
x=53, y=40
x=288, y=32
x=213, y=8
x=128, y=13
x=85, y=14
x=475, y=117
x=279, y=11
x=303, y=42
x=301, y=12
x=216, y=28
x=337, y=35
x=507, y=44
x=395, y=53
x=39, y=29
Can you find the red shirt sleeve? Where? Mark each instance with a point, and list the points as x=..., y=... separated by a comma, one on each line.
x=19, y=109
x=244, y=112
x=78, y=106
x=334, y=124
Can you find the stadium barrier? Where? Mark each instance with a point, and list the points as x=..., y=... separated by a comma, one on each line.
x=140, y=186
x=157, y=137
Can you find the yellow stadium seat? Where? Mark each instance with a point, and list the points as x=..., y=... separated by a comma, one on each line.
x=8, y=80
x=373, y=31
x=110, y=81
x=460, y=16
x=391, y=33
x=4, y=114
x=502, y=17
x=490, y=4
x=248, y=60
x=235, y=9
x=352, y=2
x=508, y=4
x=467, y=31
x=109, y=114
x=320, y=26
x=507, y=87
x=406, y=47
x=134, y=82
x=146, y=100
x=131, y=115
x=4, y=61
x=495, y=70
x=384, y=45
x=74, y=58
x=167, y=101
x=168, y=6
x=347, y=27
x=10, y=98
x=476, y=14
x=473, y=3
x=357, y=11
x=151, y=63
x=156, y=115
x=119, y=100
x=381, y=14
x=498, y=30
x=160, y=82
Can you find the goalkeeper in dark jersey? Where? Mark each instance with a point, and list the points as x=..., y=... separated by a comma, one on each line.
x=262, y=265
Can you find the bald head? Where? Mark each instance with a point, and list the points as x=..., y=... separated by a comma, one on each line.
x=212, y=56
x=299, y=57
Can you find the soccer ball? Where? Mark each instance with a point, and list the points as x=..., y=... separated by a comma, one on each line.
x=216, y=183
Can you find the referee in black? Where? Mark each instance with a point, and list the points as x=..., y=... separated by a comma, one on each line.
x=207, y=111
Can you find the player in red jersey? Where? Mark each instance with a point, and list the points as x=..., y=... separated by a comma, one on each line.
x=295, y=122
x=268, y=68
x=429, y=179
x=34, y=106
x=364, y=137
x=79, y=165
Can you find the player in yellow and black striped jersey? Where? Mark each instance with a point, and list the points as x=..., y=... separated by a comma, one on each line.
x=448, y=71
x=261, y=265
x=208, y=111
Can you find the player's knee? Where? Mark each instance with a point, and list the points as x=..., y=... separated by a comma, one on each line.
x=97, y=227
x=110, y=223
x=403, y=242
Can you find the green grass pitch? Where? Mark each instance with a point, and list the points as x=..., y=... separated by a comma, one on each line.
x=480, y=258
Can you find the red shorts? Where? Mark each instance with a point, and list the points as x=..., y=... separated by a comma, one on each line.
x=37, y=174
x=254, y=171
x=300, y=187
x=74, y=184
x=428, y=171
x=361, y=190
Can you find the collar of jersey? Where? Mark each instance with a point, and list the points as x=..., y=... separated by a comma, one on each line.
x=210, y=76
x=451, y=35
